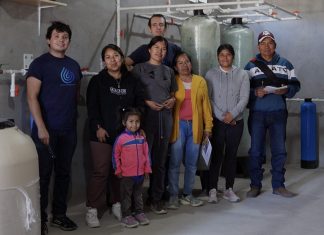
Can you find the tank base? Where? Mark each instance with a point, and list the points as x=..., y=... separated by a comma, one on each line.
x=308, y=164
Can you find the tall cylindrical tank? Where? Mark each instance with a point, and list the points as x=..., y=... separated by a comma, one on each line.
x=308, y=132
x=241, y=38
x=200, y=38
x=19, y=183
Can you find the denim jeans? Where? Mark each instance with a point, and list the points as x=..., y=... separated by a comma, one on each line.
x=183, y=149
x=274, y=122
x=58, y=157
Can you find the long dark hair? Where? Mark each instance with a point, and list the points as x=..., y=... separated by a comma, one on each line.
x=116, y=48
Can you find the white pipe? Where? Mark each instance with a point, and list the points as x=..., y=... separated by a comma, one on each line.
x=166, y=15
x=39, y=20
x=239, y=15
x=12, y=85
x=301, y=100
x=10, y=71
x=118, y=22
x=228, y=10
x=197, y=6
x=86, y=73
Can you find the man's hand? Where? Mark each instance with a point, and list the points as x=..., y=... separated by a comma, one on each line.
x=260, y=92
x=281, y=91
x=43, y=135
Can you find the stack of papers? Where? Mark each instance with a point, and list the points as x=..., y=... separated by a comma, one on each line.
x=272, y=89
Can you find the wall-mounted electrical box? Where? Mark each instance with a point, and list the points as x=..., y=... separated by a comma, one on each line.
x=28, y=58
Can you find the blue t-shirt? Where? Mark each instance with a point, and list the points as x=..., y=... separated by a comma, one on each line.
x=141, y=54
x=58, y=92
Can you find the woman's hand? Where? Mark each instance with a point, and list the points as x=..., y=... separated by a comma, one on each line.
x=228, y=117
x=102, y=134
x=153, y=105
x=146, y=176
x=169, y=103
x=207, y=135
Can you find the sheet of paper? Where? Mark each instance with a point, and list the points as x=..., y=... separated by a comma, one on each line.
x=206, y=149
x=272, y=89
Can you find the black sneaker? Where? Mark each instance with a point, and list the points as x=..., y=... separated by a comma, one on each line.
x=63, y=223
x=44, y=229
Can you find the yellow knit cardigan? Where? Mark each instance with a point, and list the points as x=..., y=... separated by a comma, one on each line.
x=202, y=119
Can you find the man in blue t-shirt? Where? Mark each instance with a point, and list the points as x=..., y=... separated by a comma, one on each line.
x=52, y=88
x=157, y=26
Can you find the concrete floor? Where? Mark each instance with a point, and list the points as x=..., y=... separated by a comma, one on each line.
x=266, y=214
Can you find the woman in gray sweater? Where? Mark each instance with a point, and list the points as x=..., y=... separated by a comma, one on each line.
x=228, y=88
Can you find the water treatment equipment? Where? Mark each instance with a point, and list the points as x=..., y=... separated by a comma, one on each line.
x=19, y=182
x=308, y=132
x=200, y=38
x=241, y=38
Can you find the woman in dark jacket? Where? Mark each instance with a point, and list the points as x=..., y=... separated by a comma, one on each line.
x=112, y=89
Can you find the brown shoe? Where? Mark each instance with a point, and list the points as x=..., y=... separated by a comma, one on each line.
x=254, y=192
x=282, y=191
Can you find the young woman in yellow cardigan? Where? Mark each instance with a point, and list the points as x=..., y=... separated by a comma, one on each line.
x=192, y=122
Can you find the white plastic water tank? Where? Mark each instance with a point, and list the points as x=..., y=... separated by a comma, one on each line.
x=19, y=183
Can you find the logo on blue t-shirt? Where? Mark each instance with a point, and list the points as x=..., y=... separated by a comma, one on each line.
x=67, y=76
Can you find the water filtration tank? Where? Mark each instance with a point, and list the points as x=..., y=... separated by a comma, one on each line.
x=241, y=38
x=200, y=38
x=19, y=183
x=308, y=132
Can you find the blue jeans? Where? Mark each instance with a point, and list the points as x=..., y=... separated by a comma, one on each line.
x=183, y=149
x=274, y=122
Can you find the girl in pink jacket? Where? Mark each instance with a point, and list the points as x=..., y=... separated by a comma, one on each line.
x=131, y=163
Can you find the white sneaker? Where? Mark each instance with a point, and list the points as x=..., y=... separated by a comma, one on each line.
x=116, y=210
x=212, y=196
x=92, y=218
x=230, y=195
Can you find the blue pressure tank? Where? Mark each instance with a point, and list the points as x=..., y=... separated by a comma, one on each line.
x=309, y=140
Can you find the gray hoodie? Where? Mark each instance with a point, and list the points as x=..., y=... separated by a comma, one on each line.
x=228, y=91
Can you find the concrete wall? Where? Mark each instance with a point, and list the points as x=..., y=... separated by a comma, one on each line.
x=93, y=24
